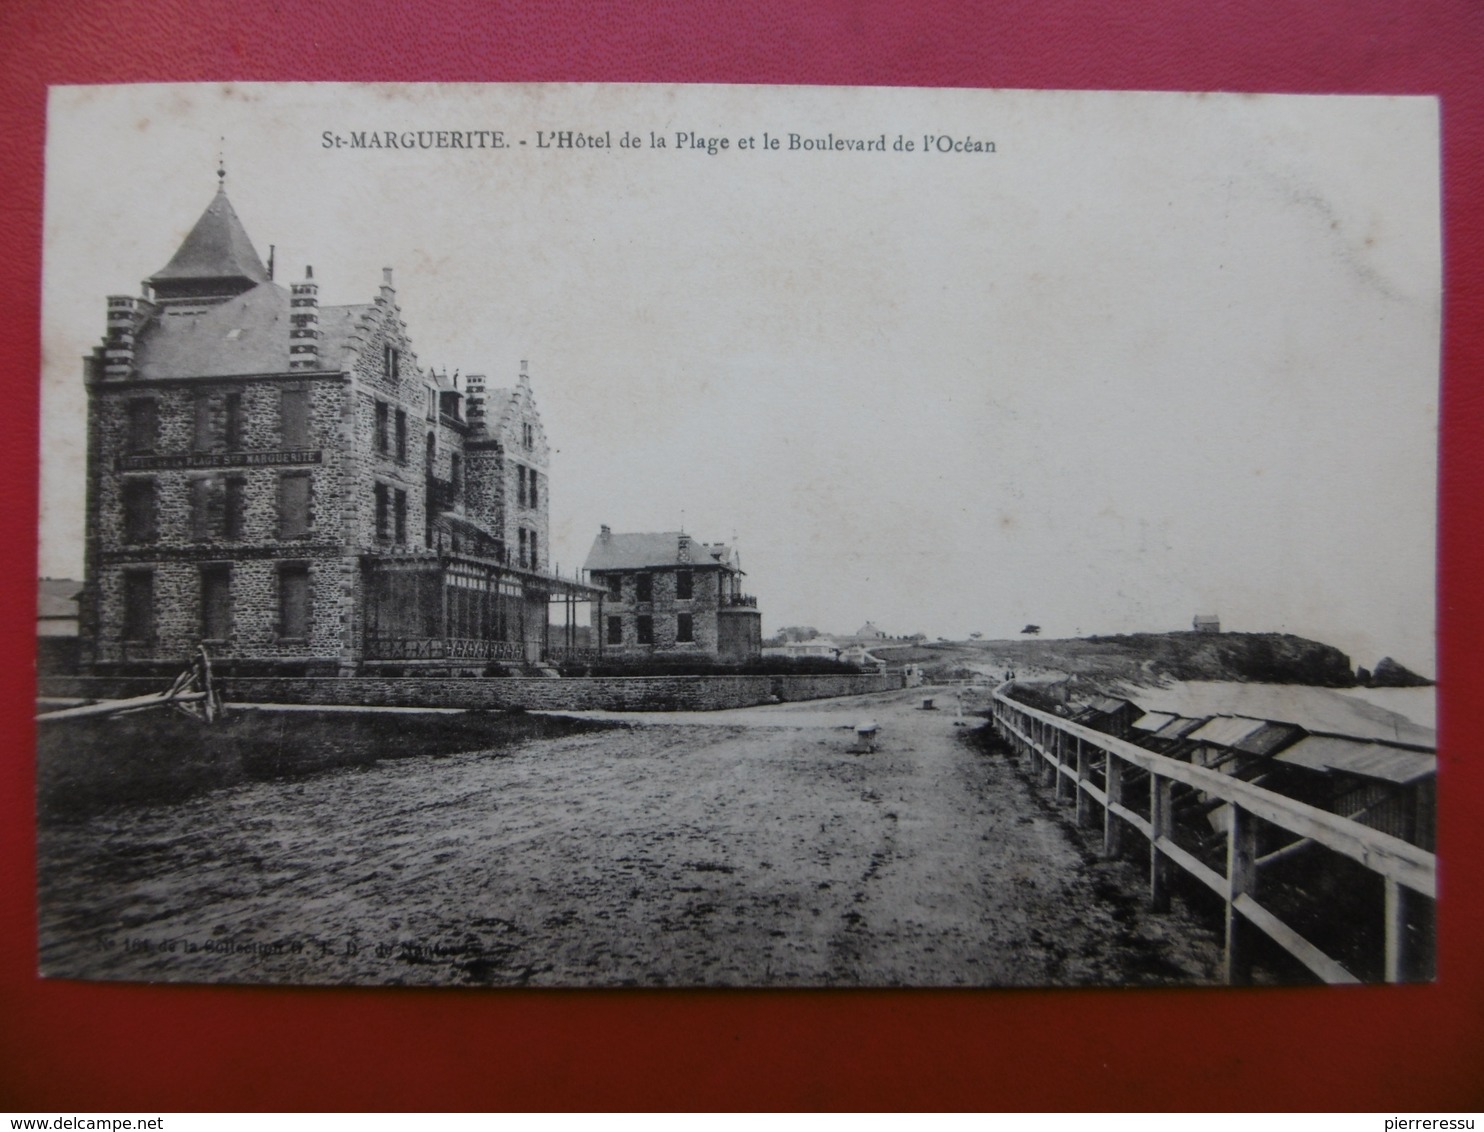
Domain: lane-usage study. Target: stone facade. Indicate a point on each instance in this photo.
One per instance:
(274, 477)
(667, 594)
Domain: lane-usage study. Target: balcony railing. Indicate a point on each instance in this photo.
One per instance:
(443, 494)
(739, 601)
(442, 648)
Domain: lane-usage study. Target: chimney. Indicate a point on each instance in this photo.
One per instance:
(118, 346)
(606, 533)
(387, 290)
(304, 323)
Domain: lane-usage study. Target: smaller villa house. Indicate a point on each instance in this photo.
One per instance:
(667, 594)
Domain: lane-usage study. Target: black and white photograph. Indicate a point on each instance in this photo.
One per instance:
(721, 536)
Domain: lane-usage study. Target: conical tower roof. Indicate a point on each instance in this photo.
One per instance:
(215, 260)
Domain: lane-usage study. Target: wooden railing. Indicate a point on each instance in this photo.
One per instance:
(1096, 769)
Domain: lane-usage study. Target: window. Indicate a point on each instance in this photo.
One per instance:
(383, 505)
(293, 505)
(683, 628)
(293, 419)
(683, 585)
(143, 425)
(202, 438)
(234, 422)
(401, 436)
(432, 452)
(139, 605)
(528, 434)
(201, 509)
(216, 602)
(615, 630)
(234, 520)
(139, 510)
(534, 501)
(615, 586)
(399, 515)
(523, 537)
(520, 475)
(644, 587)
(646, 630)
(382, 444)
(293, 602)
(391, 358)
(535, 558)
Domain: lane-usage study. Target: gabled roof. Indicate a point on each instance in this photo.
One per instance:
(638, 551)
(216, 253)
(247, 334)
(1366, 759)
(1178, 728)
(1227, 730)
(1152, 721)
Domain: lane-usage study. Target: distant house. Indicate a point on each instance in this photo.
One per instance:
(858, 654)
(665, 593)
(1206, 623)
(869, 632)
(814, 647)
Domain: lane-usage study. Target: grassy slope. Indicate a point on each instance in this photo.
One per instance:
(1276, 658)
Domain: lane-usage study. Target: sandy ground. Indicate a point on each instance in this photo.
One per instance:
(735, 848)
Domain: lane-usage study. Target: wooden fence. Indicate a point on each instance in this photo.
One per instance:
(1100, 771)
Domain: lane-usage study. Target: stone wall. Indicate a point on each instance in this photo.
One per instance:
(611, 693)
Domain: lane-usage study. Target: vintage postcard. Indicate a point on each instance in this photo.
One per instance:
(737, 536)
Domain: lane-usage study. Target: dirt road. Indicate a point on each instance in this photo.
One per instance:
(737, 848)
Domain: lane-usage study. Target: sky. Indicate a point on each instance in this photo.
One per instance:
(1154, 355)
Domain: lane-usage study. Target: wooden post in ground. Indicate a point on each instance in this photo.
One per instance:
(1161, 823)
(1241, 880)
(1084, 800)
(1112, 825)
(1059, 745)
(1396, 932)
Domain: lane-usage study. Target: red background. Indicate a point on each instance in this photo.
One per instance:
(76, 1046)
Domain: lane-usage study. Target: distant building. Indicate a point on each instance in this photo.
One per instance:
(814, 647)
(1206, 623)
(869, 632)
(665, 593)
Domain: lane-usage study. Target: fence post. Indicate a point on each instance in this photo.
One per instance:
(1112, 826)
(1060, 746)
(1396, 932)
(1241, 879)
(1084, 800)
(1161, 824)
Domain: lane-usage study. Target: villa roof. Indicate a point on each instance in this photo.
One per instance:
(638, 551)
(246, 334)
(216, 250)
